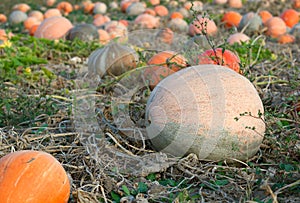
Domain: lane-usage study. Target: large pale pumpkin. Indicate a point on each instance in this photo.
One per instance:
(32, 177)
(200, 110)
(112, 59)
(55, 27)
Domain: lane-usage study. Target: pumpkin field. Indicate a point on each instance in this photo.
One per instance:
(137, 101)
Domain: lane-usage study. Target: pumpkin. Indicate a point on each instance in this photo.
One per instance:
(265, 16)
(64, 7)
(116, 30)
(220, 57)
(178, 25)
(168, 59)
(33, 177)
(154, 2)
(202, 24)
(176, 14)
(84, 32)
(124, 22)
(125, 3)
(17, 17)
(113, 59)
(37, 14)
(235, 3)
(195, 5)
(251, 22)
(88, 7)
(100, 7)
(290, 17)
(21, 7)
(52, 12)
(165, 36)
(104, 37)
(220, 2)
(231, 19)
(150, 11)
(146, 21)
(296, 4)
(153, 75)
(135, 9)
(3, 18)
(275, 27)
(286, 39)
(30, 21)
(100, 20)
(55, 27)
(33, 29)
(168, 62)
(161, 10)
(50, 2)
(198, 110)
(237, 38)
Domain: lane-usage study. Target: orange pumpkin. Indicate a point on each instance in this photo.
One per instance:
(231, 19)
(100, 19)
(147, 21)
(150, 11)
(202, 24)
(52, 12)
(265, 16)
(30, 21)
(153, 75)
(33, 29)
(104, 37)
(154, 2)
(275, 27)
(290, 17)
(296, 4)
(55, 27)
(88, 7)
(218, 57)
(235, 3)
(237, 38)
(286, 39)
(37, 14)
(50, 2)
(161, 10)
(176, 14)
(65, 7)
(33, 177)
(169, 59)
(3, 18)
(21, 7)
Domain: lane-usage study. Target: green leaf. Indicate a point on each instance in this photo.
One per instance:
(116, 197)
(126, 190)
(151, 177)
(221, 182)
(142, 187)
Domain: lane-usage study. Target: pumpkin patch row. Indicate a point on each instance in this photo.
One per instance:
(283, 28)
